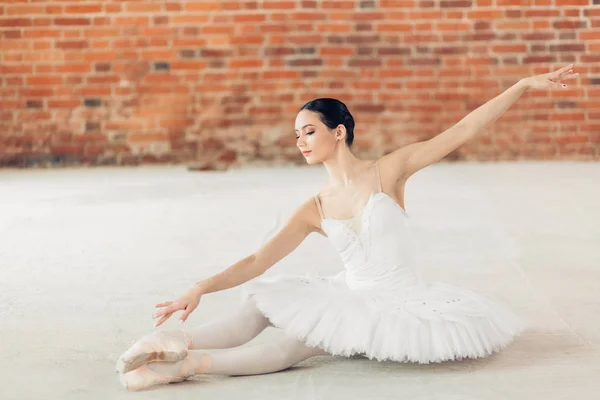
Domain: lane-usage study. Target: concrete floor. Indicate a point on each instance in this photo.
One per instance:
(86, 253)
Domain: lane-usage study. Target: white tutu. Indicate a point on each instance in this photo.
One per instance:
(438, 323)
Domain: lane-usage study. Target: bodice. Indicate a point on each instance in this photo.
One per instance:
(378, 255)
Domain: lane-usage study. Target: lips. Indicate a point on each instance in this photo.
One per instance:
(306, 152)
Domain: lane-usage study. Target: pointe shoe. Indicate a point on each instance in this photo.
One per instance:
(143, 378)
(156, 346)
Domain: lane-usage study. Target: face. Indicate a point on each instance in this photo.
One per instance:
(314, 137)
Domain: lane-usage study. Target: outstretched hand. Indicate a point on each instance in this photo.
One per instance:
(552, 80)
(186, 303)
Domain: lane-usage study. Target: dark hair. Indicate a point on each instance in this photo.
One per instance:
(332, 112)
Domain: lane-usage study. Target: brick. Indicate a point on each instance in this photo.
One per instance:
(12, 34)
(92, 102)
(103, 79)
(44, 80)
(91, 126)
(305, 62)
(455, 3)
(279, 5)
(242, 18)
(72, 21)
(83, 9)
(143, 7)
(573, 24)
(364, 63)
(190, 19)
(247, 39)
(63, 103)
(161, 66)
(34, 104)
(15, 69)
(561, 3)
(25, 10)
(202, 6)
(132, 21)
(14, 22)
(72, 44)
(397, 27)
(336, 51)
(101, 33)
(188, 65)
(246, 63)
(54, 9)
(103, 67)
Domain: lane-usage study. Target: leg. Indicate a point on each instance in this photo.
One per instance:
(265, 358)
(172, 345)
(230, 331)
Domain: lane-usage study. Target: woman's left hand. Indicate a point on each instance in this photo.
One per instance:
(186, 303)
(551, 80)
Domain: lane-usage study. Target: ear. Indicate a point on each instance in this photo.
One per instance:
(340, 132)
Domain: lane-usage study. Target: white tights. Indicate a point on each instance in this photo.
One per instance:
(281, 353)
(230, 331)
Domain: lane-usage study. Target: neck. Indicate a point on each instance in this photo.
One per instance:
(342, 167)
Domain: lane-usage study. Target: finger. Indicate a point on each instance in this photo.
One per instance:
(567, 74)
(166, 303)
(163, 319)
(185, 314)
(558, 74)
(565, 69)
(167, 310)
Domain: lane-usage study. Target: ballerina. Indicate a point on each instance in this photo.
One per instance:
(378, 306)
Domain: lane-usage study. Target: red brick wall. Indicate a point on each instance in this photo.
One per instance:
(123, 82)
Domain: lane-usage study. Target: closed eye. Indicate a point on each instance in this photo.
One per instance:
(308, 133)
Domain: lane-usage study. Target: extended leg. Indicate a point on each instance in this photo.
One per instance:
(278, 355)
(264, 358)
(172, 345)
(231, 331)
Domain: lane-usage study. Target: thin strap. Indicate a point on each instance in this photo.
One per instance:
(378, 177)
(319, 207)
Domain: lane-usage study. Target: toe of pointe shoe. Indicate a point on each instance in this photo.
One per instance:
(120, 366)
(123, 366)
(123, 381)
(157, 346)
(143, 378)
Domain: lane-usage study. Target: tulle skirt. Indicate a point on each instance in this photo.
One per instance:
(424, 324)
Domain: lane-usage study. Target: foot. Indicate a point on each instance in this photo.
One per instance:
(169, 346)
(162, 373)
(143, 378)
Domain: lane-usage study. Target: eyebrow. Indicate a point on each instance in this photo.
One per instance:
(296, 130)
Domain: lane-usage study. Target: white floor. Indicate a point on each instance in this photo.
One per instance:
(86, 253)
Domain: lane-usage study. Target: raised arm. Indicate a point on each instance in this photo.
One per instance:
(298, 226)
(411, 158)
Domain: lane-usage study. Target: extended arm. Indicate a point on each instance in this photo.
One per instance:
(413, 157)
(297, 228)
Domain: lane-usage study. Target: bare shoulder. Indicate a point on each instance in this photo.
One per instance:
(393, 179)
(307, 216)
(391, 166)
(298, 226)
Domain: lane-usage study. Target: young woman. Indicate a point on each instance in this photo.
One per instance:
(378, 306)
